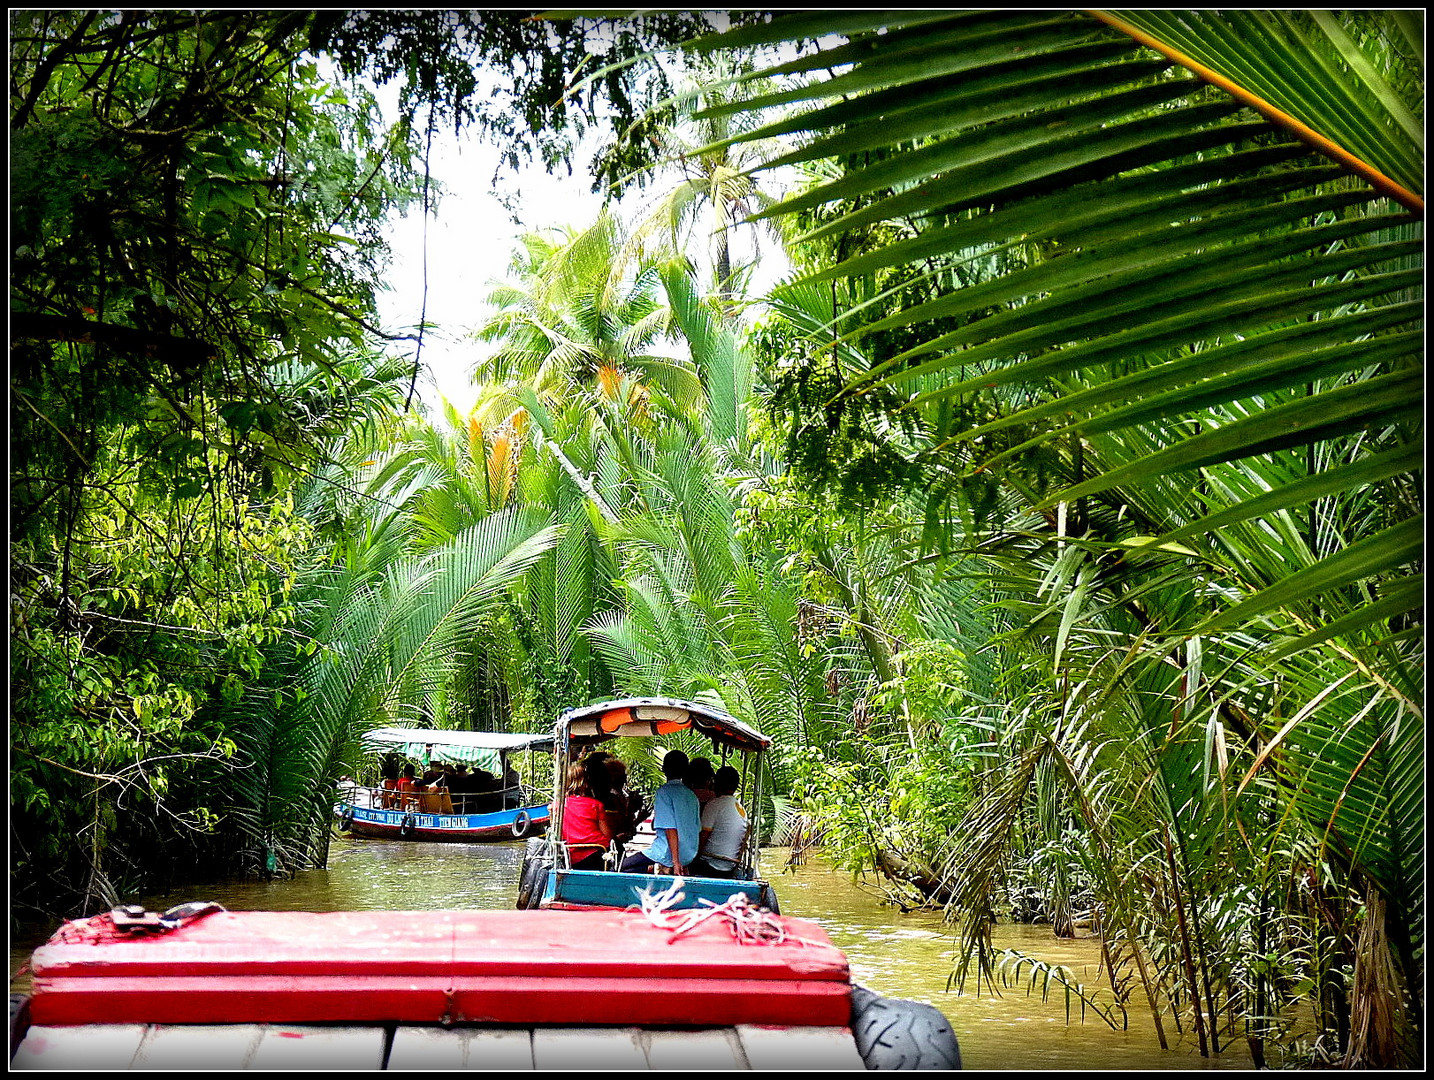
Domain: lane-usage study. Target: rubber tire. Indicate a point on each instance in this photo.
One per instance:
(767, 898)
(530, 888)
(537, 860)
(894, 1033)
(522, 824)
(406, 827)
(346, 819)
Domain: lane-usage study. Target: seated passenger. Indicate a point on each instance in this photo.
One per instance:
(388, 797)
(699, 779)
(724, 827)
(676, 822)
(586, 829)
(458, 786)
(622, 805)
(407, 789)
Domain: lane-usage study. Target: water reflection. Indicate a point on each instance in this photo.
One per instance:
(902, 955)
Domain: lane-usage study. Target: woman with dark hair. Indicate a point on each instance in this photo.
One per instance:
(622, 805)
(699, 779)
(586, 828)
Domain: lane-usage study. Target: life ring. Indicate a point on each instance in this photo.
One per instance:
(894, 1033)
(406, 828)
(521, 824)
(346, 819)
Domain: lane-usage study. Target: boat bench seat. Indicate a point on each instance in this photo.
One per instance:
(435, 802)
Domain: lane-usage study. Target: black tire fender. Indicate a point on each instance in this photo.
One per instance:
(894, 1033)
(767, 898)
(530, 893)
(522, 822)
(537, 858)
(406, 827)
(346, 819)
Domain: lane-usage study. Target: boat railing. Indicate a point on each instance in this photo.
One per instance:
(437, 800)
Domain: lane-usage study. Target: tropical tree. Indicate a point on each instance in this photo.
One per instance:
(713, 193)
(1199, 250)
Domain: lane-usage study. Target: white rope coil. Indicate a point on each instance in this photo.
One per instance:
(749, 925)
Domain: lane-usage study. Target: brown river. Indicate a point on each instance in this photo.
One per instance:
(901, 955)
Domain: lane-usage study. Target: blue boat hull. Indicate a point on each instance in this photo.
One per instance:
(608, 889)
(511, 824)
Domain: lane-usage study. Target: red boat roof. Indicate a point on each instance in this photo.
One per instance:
(486, 967)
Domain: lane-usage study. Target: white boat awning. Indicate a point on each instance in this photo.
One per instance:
(481, 748)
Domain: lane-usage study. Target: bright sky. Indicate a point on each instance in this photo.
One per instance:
(470, 240)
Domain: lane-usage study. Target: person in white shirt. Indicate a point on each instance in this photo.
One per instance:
(724, 827)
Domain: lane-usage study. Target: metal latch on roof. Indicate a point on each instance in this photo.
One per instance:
(133, 917)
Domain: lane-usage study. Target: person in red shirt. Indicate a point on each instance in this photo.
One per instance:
(586, 828)
(408, 789)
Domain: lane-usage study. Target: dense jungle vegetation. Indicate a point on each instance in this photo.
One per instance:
(1061, 516)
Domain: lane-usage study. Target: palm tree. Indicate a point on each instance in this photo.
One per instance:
(578, 309)
(388, 612)
(716, 185)
(1210, 229)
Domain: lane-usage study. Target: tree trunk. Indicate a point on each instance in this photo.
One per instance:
(1377, 1028)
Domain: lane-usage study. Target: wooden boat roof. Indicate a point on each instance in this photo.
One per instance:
(648, 716)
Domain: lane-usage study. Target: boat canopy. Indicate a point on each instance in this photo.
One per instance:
(481, 748)
(605, 720)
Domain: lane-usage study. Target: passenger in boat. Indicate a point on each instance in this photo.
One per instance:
(407, 788)
(724, 827)
(469, 786)
(388, 785)
(623, 806)
(677, 820)
(699, 779)
(586, 829)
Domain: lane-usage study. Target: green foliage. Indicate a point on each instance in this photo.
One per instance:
(197, 246)
(877, 807)
(1155, 368)
(118, 747)
(565, 75)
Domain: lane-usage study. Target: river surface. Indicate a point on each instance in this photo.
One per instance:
(900, 955)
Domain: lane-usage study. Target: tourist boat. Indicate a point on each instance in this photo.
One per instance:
(547, 879)
(511, 807)
(199, 988)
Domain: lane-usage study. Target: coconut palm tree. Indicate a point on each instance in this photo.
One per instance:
(1211, 232)
(387, 615)
(716, 191)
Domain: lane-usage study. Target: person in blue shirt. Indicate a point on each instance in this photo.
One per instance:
(677, 820)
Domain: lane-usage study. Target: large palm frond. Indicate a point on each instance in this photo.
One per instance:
(1179, 255)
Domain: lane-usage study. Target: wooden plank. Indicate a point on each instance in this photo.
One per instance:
(319, 1048)
(86, 1047)
(486, 1049)
(712, 1050)
(810, 1049)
